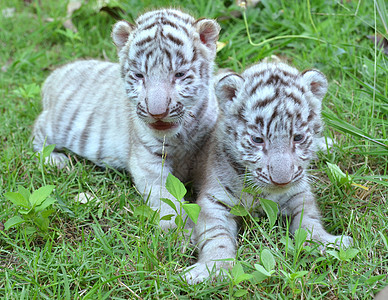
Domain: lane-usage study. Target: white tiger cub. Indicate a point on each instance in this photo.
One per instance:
(268, 131)
(148, 114)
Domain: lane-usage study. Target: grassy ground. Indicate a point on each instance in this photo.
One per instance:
(107, 249)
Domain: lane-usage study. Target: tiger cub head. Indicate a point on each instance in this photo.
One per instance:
(271, 122)
(166, 61)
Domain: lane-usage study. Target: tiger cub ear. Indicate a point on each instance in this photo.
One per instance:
(208, 32)
(316, 82)
(227, 87)
(120, 33)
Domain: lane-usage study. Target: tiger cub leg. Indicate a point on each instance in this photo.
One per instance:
(149, 175)
(42, 137)
(304, 212)
(215, 235)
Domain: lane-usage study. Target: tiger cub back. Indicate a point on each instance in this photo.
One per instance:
(148, 114)
(269, 129)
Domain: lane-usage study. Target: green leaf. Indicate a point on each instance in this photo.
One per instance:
(300, 237)
(262, 270)
(339, 176)
(344, 255)
(46, 203)
(336, 123)
(298, 274)
(242, 278)
(239, 274)
(385, 239)
(30, 230)
(348, 254)
(17, 199)
(25, 211)
(271, 209)
(288, 242)
(47, 150)
(285, 274)
(237, 270)
(41, 194)
(239, 210)
(175, 187)
(240, 293)
(100, 211)
(167, 217)
(42, 223)
(13, 222)
(46, 213)
(267, 260)
(383, 13)
(192, 211)
(257, 277)
(169, 203)
(24, 192)
(374, 279)
(143, 211)
(333, 253)
(178, 221)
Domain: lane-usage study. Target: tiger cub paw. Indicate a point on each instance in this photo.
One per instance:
(335, 241)
(343, 241)
(57, 159)
(202, 271)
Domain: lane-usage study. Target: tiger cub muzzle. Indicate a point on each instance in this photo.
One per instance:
(280, 169)
(281, 172)
(159, 110)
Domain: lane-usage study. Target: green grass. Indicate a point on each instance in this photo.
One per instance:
(106, 249)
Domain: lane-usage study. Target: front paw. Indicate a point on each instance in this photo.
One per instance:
(196, 273)
(343, 241)
(202, 271)
(336, 241)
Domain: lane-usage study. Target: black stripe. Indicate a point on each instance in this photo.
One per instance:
(169, 57)
(294, 98)
(195, 55)
(285, 204)
(215, 227)
(144, 41)
(272, 118)
(180, 58)
(165, 22)
(66, 132)
(229, 190)
(187, 19)
(101, 141)
(212, 238)
(216, 201)
(66, 101)
(149, 26)
(238, 168)
(174, 39)
(311, 116)
(264, 102)
(85, 133)
(259, 121)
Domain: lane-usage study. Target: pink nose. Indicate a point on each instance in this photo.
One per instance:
(280, 183)
(159, 116)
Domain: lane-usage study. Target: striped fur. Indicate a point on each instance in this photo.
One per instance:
(148, 114)
(268, 132)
